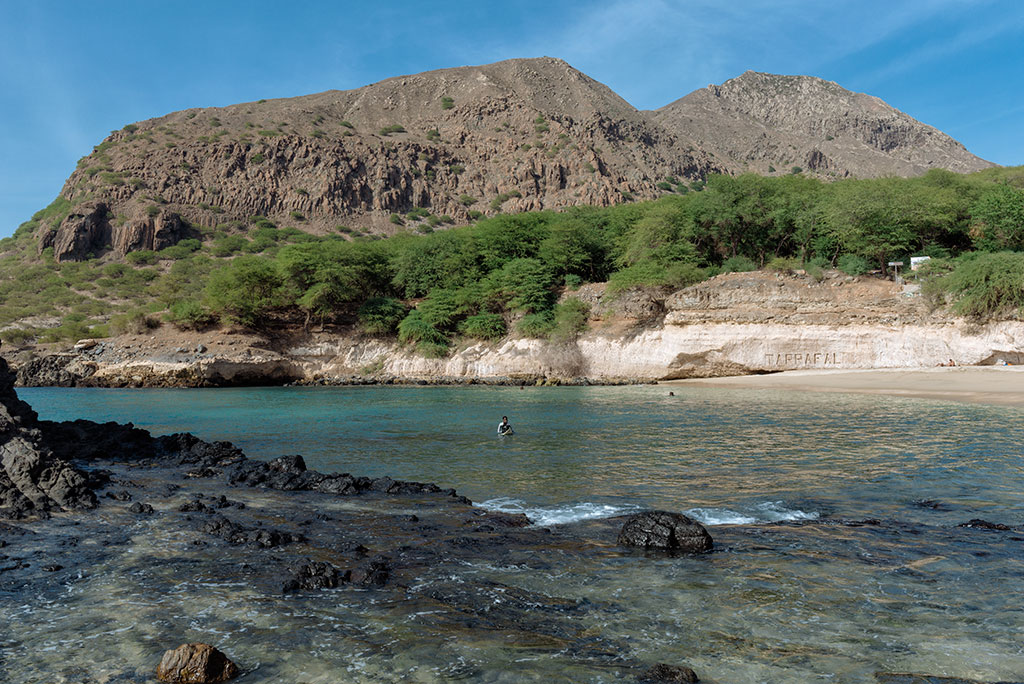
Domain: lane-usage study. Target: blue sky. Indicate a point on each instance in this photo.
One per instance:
(71, 71)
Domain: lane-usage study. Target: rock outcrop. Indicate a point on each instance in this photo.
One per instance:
(518, 135)
(33, 480)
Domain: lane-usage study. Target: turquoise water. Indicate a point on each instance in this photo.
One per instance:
(805, 600)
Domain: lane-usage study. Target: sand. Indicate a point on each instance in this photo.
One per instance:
(1003, 385)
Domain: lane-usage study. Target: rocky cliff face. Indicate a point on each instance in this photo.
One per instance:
(760, 122)
(514, 136)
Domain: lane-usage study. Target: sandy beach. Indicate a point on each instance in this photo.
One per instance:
(1002, 385)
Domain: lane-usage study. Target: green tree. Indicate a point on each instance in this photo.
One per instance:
(245, 291)
(998, 219)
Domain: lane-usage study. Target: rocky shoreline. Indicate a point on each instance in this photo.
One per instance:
(79, 497)
(71, 491)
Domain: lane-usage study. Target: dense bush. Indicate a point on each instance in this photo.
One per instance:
(381, 315)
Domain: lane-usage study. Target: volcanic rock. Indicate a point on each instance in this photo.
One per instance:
(195, 664)
(668, 674)
(665, 530)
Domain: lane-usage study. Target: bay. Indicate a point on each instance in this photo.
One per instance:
(838, 551)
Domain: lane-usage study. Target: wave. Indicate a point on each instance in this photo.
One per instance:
(766, 512)
(545, 516)
(559, 515)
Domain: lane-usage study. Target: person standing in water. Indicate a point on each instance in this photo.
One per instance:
(504, 428)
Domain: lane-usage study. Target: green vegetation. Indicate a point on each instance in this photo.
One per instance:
(393, 128)
(447, 102)
(508, 272)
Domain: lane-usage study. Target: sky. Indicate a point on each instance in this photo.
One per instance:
(71, 71)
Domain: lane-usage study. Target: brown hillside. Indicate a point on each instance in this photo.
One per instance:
(759, 121)
(514, 136)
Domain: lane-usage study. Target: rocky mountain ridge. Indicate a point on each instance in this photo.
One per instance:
(455, 144)
(759, 120)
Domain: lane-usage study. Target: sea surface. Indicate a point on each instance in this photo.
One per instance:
(836, 519)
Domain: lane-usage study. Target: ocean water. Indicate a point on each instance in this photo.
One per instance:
(793, 593)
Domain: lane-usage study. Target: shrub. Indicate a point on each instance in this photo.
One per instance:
(854, 265)
(536, 324)
(257, 158)
(738, 264)
(429, 340)
(814, 271)
(346, 124)
(229, 245)
(397, 220)
(570, 319)
(381, 315)
(188, 314)
(484, 326)
(393, 128)
(783, 264)
(447, 102)
(132, 323)
(987, 285)
(297, 215)
(433, 135)
(467, 200)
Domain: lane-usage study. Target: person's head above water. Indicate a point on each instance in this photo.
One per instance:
(504, 419)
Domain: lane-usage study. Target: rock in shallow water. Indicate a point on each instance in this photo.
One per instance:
(665, 530)
(195, 664)
(668, 674)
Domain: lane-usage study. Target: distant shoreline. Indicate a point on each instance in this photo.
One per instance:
(995, 385)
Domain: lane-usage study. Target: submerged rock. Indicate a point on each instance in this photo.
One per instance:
(911, 678)
(195, 664)
(665, 530)
(311, 575)
(980, 524)
(668, 674)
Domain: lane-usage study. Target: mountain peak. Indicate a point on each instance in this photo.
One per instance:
(763, 122)
(455, 144)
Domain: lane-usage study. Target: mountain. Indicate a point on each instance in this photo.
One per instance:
(767, 123)
(454, 144)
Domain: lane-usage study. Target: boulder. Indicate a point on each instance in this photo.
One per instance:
(665, 530)
(195, 664)
(309, 575)
(668, 674)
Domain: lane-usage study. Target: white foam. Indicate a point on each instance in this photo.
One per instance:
(559, 515)
(765, 512)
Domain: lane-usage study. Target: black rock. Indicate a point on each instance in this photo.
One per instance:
(665, 530)
(310, 575)
(985, 525)
(374, 574)
(911, 678)
(668, 674)
(140, 508)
